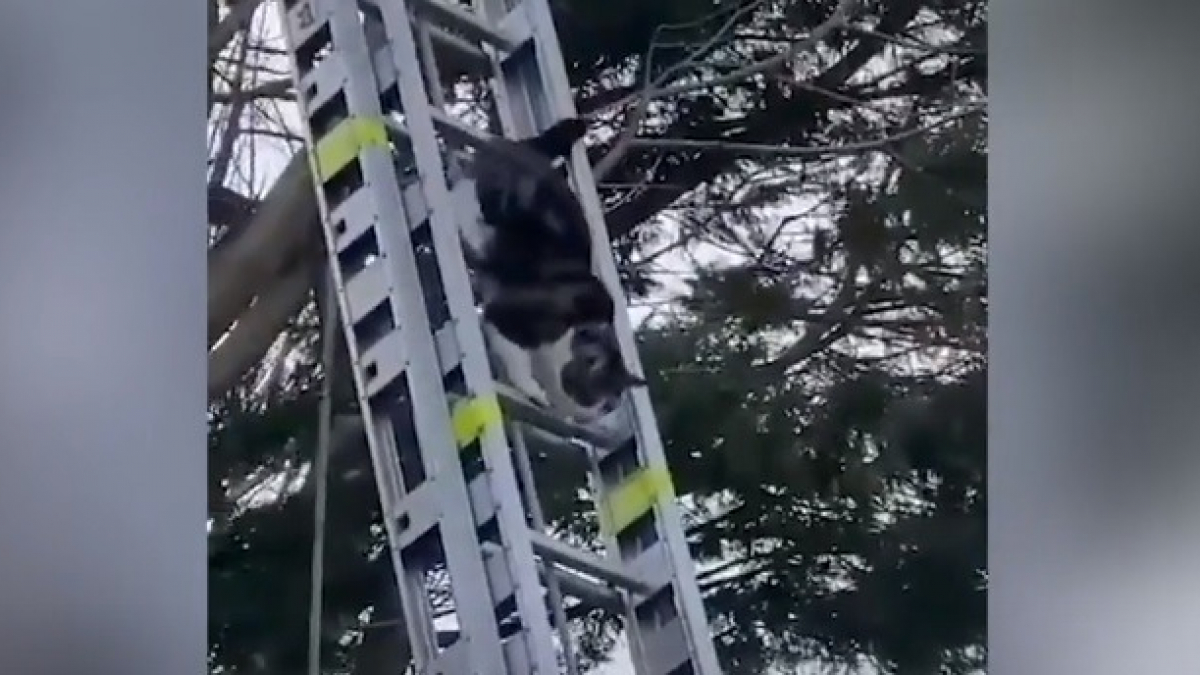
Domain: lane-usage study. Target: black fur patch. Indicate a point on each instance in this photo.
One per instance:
(533, 314)
(541, 233)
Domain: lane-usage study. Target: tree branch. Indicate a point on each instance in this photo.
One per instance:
(286, 226)
(257, 329)
(787, 151)
(655, 90)
(239, 15)
(765, 126)
(280, 89)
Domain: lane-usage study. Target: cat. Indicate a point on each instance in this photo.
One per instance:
(548, 318)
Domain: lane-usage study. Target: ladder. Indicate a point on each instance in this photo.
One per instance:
(449, 444)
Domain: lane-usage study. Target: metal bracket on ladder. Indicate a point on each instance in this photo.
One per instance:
(448, 442)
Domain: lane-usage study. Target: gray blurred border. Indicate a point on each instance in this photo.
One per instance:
(1095, 514)
(102, 427)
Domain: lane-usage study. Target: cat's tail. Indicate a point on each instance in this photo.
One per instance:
(558, 140)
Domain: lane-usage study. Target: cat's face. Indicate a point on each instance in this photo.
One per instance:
(596, 376)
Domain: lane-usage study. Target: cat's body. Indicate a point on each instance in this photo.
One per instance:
(549, 319)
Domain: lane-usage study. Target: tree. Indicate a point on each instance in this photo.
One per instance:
(820, 376)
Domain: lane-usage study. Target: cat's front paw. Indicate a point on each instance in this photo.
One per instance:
(534, 392)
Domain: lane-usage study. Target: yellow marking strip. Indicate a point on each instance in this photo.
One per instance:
(345, 142)
(473, 417)
(634, 497)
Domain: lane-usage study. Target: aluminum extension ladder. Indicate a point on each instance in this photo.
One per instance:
(448, 443)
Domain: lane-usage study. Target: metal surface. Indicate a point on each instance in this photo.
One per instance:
(453, 501)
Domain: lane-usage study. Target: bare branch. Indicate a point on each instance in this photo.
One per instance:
(818, 336)
(233, 124)
(238, 17)
(276, 89)
(788, 151)
(652, 89)
(913, 43)
(837, 20)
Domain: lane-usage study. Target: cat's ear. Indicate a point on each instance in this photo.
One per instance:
(558, 140)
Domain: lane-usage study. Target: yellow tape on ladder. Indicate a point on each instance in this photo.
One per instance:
(634, 497)
(473, 417)
(345, 142)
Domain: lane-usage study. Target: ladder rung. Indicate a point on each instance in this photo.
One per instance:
(383, 363)
(556, 551)
(445, 638)
(541, 443)
(417, 513)
(459, 54)
(515, 657)
(477, 59)
(452, 661)
(399, 133)
(366, 289)
(457, 18)
(587, 591)
(522, 410)
(456, 132)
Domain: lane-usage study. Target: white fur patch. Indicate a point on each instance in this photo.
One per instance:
(548, 363)
(475, 234)
(517, 364)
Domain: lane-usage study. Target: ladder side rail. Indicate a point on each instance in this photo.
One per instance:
(543, 102)
(303, 19)
(465, 319)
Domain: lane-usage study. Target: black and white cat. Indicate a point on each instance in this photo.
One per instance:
(547, 316)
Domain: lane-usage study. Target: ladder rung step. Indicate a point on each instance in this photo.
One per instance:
(483, 503)
(415, 209)
(593, 594)
(589, 592)
(353, 217)
(466, 21)
(666, 646)
(475, 58)
(384, 362)
(416, 514)
(456, 132)
(653, 565)
(556, 551)
(453, 661)
(445, 638)
(445, 344)
(385, 70)
(516, 656)
(460, 134)
(320, 84)
(495, 565)
(523, 410)
(396, 128)
(366, 289)
(542, 443)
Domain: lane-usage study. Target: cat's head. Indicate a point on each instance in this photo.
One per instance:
(589, 302)
(558, 140)
(595, 376)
